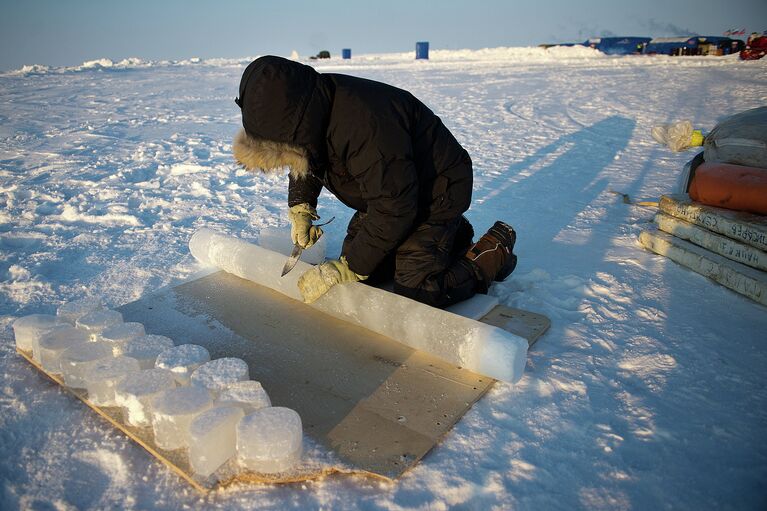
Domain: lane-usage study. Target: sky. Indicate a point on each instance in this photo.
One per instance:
(66, 33)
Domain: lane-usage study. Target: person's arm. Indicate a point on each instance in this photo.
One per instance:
(302, 209)
(390, 187)
(303, 190)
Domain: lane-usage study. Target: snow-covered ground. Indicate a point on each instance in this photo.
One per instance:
(648, 392)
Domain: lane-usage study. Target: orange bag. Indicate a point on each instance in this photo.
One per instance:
(730, 186)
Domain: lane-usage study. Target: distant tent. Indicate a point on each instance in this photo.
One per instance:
(717, 45)
(694, 45)
(546, 46)
(618, 45)
(672, 46)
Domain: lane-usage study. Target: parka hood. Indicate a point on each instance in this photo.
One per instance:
(269, 157)
(285, 107)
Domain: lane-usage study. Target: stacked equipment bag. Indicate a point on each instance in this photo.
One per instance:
(731, 172)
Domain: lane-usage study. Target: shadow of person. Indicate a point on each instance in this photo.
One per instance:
(545, 192)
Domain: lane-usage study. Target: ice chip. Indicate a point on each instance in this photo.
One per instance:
(217, 374)
(28, 329)
(248, 395)
(102, 377)
(72, 311)
(172, 412)
(54, 343)
(213, 438)
(145, 349)
(77, 360)
(137, 390)
(99, 320)
(122, 332)
(182, 360)
(270, 440)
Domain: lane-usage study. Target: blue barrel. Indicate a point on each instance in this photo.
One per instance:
(422, 50)
(346, 53)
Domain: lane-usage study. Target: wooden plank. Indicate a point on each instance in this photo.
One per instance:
(722, 245)
(178, 461)
(529, 325)
(370, 406)
(745, 227)
(735, 276)
(320, 366)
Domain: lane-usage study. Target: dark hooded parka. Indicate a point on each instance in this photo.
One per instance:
(380, 151)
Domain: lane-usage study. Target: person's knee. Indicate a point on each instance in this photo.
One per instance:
(434, 298)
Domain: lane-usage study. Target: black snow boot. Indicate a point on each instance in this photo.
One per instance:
(493, 255)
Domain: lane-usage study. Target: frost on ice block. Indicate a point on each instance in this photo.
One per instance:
(28, 329)
(102, 377)
(122, 332)
(72, 311)
(137, 390)
(461, 341)
(270, 440)
(54, 343)
(145, 349)
(77, 360)
(248, 395)
(217, 374)
(213, 439)
(99, 320)
(173, 411)
(182, 360)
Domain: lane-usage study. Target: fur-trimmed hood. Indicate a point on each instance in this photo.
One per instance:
(285, 110)
(268, 156)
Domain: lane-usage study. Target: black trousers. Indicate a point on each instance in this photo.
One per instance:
(429, 265)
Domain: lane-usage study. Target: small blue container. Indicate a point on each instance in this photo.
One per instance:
(346, 53)
(422, 50)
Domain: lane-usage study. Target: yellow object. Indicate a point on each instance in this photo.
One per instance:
(696, 139)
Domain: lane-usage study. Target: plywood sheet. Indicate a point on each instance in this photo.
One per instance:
(369, 405)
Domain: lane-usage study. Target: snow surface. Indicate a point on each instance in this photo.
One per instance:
(648, 391)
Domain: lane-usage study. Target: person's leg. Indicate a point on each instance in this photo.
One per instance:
(439, 266)
(492, 256)
(431, 267)
(385, 271)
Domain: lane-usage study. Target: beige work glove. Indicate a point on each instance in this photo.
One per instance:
(302, 232)
(318, 281)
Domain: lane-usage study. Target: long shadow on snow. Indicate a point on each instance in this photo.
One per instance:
(542, 204)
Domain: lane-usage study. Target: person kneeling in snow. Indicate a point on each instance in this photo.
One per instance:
(385, 154)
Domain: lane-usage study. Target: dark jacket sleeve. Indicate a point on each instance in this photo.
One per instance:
(384, 169)
(304, 190)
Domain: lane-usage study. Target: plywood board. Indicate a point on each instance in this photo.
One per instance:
(369, 405)
(529, 325)
(735, 276)
(314, 466)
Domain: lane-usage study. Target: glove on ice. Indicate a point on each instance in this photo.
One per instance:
(318, 281)
(302, 232)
